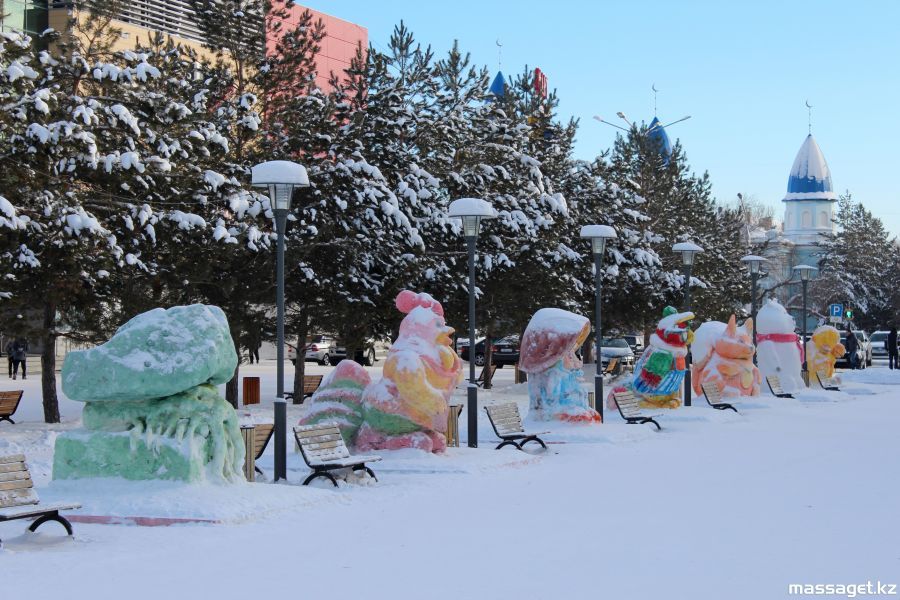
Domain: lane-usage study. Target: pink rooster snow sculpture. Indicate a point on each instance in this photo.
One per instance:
(408, 406)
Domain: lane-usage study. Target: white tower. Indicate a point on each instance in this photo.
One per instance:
(809, 202)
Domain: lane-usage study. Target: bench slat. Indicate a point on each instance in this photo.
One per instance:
(11, 498)
(14, 458)
(19, 484)
(13, 467)
(28, 510)
(14, 476)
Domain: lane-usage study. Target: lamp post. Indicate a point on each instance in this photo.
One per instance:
(804, 271)
(281, 178)
(471, 211)
(688, 251)
(598, 234)
(753, 262)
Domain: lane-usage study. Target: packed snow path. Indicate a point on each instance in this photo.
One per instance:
(715, 506)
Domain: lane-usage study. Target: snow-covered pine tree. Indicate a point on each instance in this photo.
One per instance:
(853, 265)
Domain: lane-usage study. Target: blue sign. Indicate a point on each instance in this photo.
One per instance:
(836, 310)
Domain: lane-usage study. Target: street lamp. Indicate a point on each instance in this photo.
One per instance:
(804, 271)
(471, 211)
(688, 251)
(281, 178)
(753, 262)
(598, 234)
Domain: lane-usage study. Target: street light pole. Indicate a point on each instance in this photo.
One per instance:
(598, 235)
(472, 390)
(805, 271)
(688, 251)
(471, 211)
(281, 178)
(280, 403)
(687, 359)
(754, 263)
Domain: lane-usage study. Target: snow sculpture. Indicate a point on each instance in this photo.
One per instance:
(408, 406)
(152, 410)
(547, 354)
(823, 350)
(659, 372)
(723, 354)
(778, 349)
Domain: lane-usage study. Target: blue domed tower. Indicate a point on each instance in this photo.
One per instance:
(809, 202)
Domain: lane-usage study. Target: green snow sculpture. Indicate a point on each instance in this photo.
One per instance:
(152, 410)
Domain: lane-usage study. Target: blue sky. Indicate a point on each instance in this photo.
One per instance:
(742, 70)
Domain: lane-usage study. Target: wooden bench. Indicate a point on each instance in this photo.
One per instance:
(630, 409)
(18, 499)
(713, 394)
(311, 383)
(261, 436)
(774, 384)
(324, 450)
(507, 424)
(482, 378)
(827, 383)
(9, 403)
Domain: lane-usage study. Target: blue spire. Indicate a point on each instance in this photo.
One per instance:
(810, 177)
(498, 87)
(658, 132)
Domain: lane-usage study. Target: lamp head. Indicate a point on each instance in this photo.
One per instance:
(281, 178)
(753, 262)
(471, 211)
(598, 234)
(688, 251)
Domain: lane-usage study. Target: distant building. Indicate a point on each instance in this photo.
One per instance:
(177, 19)
(808, 216)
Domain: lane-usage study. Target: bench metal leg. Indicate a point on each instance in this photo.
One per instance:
(652, 420)
(367, 470)
(7, 418)
(509, 443)
(532, 438)
(54, 516)
(325, 474)
(725, 407)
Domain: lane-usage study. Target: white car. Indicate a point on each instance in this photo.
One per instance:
(878, 344)
(616, 348)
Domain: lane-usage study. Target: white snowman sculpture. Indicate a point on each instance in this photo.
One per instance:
(778, 349)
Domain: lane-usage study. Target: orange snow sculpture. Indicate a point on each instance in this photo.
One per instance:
(725, 356)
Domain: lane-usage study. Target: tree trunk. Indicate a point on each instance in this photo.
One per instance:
(48, 365)
(231, 388)
(300, 365)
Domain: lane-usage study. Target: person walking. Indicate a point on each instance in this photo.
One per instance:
(20, 355)
(891, 344)
(9, 356)
(852, 346)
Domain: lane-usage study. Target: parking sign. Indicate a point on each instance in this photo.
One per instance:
(836, 310)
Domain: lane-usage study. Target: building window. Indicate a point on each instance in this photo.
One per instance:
(806, 219)
(824, 221)
(29, 16)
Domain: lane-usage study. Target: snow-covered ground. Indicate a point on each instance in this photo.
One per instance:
(714, 506)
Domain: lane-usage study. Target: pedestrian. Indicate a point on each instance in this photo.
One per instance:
(20, 354)
(254, 352)
(9, 356)
(891, 344)
(852, 347)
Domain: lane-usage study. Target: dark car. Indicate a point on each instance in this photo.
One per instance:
(504, 351)
(861, 358)
(364, 355)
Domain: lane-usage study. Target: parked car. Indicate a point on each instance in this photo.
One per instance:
(504, 351)
(866, 344)
(319, 349)
(636, 342)
(844, 361)
(616, 348)
(878, 343)
(364, 355)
